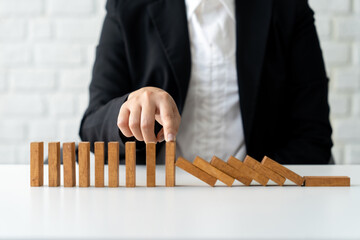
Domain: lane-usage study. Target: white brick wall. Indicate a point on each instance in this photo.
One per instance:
(47, 52)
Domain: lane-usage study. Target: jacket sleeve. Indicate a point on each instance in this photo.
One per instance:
(310, 141)
(110, 84)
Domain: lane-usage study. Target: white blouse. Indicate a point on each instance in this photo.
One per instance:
(211, 121)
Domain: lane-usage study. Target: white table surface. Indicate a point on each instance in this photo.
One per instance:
(190, 210)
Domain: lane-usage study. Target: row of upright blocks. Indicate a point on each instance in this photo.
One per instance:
(69, 170)
(244, 171)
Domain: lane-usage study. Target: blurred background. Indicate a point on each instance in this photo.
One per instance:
(47, 49)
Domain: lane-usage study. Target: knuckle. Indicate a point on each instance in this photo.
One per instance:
(164, 96)
(146, 124)
(121, 123)
(133, 124)
(147, 94)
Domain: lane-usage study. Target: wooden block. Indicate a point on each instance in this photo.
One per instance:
(239, 165)
(195, 171)
(130, 162)
(326, 181)
(36, 164)
(54, 164)
(150, 164)
(267, 172)
(170, 153)
(283, 171)
(84, 164)
(213, 171)
(99, 164)
(69, 164)
(231, 171)
(113, 164)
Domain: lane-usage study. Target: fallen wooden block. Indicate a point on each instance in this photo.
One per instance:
(213, 171)
(327, 181)
(99, 163)
(195, 171)
(283, 171)
(36, 164)
(130, 162)
(113, 164)
(239, 165)
(267, 172)
(84, 164)
(231, 171)
(150, 164)
(69, 164)
(54, 164)
(170, 152)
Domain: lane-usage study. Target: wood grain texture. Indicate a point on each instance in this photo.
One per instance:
(213, 171)
(130, 162)
(69, 164)
(231, 171)
(267, 172)
(36, 164)
(170, 154)
(84, 164)
(99, 163)
(150, 164)
(327, 181)
(113, 164)
(239, 165)
(54, 164)
(283, 171)
(195, 171)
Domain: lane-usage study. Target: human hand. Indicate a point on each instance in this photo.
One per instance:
(138, 114)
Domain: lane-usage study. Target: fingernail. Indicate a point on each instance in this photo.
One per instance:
(170, 137)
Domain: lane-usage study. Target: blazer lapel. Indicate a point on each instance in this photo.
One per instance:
(169, 18)
(252, 24)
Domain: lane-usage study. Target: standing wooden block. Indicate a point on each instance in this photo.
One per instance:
(36, 164)
(150, 164)
(195, 171)
(170, 152)
(54, 164)
(267, 172)
(113, 164)
(99, 164)
(84, 164)
(69, 164)
(213, 171)
(231, 171)
(325, 181)
(130, 162)
(283, 171)
(236, 163)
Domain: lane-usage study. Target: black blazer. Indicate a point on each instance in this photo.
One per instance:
(281, 76)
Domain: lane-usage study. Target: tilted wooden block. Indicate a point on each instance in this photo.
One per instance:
(283, 171)
(170, 152)
(239, 165)
(54, 164)
(327, 181)
(213, 171)
(84, 164)
(99, 163)
(69, 164)
(231, 171)
(195, 171)
(130, 162)
(267, 172)
(113, 164)
(150, 164)
(36, 164)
